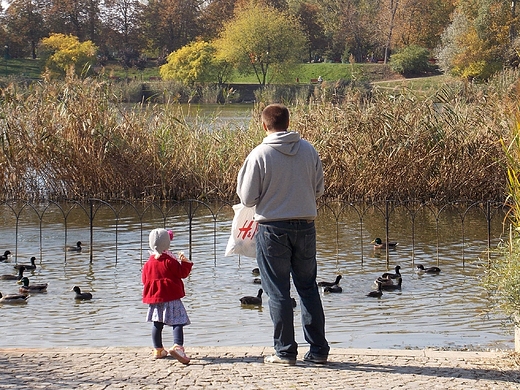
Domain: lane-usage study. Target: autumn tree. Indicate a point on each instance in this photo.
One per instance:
(65, 52)
(122, 16)
(262, 40)
(307, 13)
(170, 24)
(357, 34)
(477, 42)
(195, 62)
(213, 16)
(421, 22)
(25, 26)
(80, 18)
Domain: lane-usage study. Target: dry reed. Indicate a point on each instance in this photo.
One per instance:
(71, 140)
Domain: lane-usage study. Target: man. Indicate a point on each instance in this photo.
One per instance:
(282, 177)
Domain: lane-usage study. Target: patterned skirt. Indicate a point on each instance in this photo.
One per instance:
(169, 313)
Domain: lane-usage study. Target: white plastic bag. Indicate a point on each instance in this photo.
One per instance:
(243, 232)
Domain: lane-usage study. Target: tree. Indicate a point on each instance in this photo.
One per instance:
(357, 34)
(307, 13)
(263, 40)
(64, 52)
(421, 22)
(450, 47)
(477, 43)
(195, 62)
(214, 15)
(171, 24)
(388, 18)
(80, 18)
(122, 16)
(25, 26)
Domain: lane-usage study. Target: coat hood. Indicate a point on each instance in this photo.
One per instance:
(286, 142)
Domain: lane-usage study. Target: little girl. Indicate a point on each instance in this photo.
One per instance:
(163, 289)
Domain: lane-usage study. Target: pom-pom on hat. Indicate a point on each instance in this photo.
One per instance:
(159, 241)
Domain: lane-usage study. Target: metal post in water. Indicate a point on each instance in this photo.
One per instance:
(190, 223)
(387, 218)
(91, 218)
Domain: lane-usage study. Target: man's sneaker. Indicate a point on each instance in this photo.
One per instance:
(159, 353)
(279, 360)
(311, 358)
(178, 353)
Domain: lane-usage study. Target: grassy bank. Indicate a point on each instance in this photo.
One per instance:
(70, 139)
(303, 72)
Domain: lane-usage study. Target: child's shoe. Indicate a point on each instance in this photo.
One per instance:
(177, 351)
(159, 353)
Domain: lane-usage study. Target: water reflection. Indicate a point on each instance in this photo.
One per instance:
(445, 311)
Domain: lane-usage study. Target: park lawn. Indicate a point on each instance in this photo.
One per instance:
(23, 67)
(302, 73)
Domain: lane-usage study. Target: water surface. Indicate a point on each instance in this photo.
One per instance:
(439, 311)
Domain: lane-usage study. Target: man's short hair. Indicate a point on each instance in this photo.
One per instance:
(276, 117)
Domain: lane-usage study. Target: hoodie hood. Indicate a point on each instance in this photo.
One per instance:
(286, 142)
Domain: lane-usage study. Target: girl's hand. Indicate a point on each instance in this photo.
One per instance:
(184, 258)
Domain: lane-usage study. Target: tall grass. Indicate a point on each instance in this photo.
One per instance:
(71, 139)
(502, 276)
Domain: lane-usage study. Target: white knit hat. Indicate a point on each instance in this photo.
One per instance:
(159, 241)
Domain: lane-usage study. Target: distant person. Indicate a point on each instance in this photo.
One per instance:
(163, 289)
(320, 79)
(282, 177)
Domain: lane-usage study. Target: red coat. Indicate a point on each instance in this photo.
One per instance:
(162, 279)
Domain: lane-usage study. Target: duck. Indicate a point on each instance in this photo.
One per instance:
(31, 266)
(388, 275)
(393, 286)
(82, 296)
(384, 281)
(35, 288)
(5, 256)
(76, 248)
(429, 270)
(378, 293)
(330, 284)
(379, 244)
(333, 289)
(247, 300)
(14, 277)
(14, 298)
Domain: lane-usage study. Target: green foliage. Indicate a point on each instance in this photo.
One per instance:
(262, 40)
(411, 60)
(195, 62)
(65, 53)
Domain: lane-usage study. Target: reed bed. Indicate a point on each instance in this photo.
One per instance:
(73, 140)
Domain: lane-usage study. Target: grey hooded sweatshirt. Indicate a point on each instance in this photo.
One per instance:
(282, 177)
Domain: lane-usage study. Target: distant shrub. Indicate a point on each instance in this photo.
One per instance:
(411, 60)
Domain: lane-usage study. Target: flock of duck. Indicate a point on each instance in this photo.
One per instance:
(26, 287)
(388, 281)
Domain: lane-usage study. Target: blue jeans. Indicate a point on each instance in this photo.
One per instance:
(285, 249)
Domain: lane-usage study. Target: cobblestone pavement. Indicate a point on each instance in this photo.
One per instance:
(243, 368)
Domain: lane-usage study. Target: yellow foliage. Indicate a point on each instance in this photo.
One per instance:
(194, 62)
(65, 52)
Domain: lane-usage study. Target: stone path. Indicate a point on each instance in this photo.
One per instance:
(243, 368)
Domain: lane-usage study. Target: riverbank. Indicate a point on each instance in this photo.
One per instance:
(243, 368)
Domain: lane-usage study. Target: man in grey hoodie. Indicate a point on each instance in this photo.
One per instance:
(282, 177)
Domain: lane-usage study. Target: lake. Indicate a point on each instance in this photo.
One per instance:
(447, 311)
